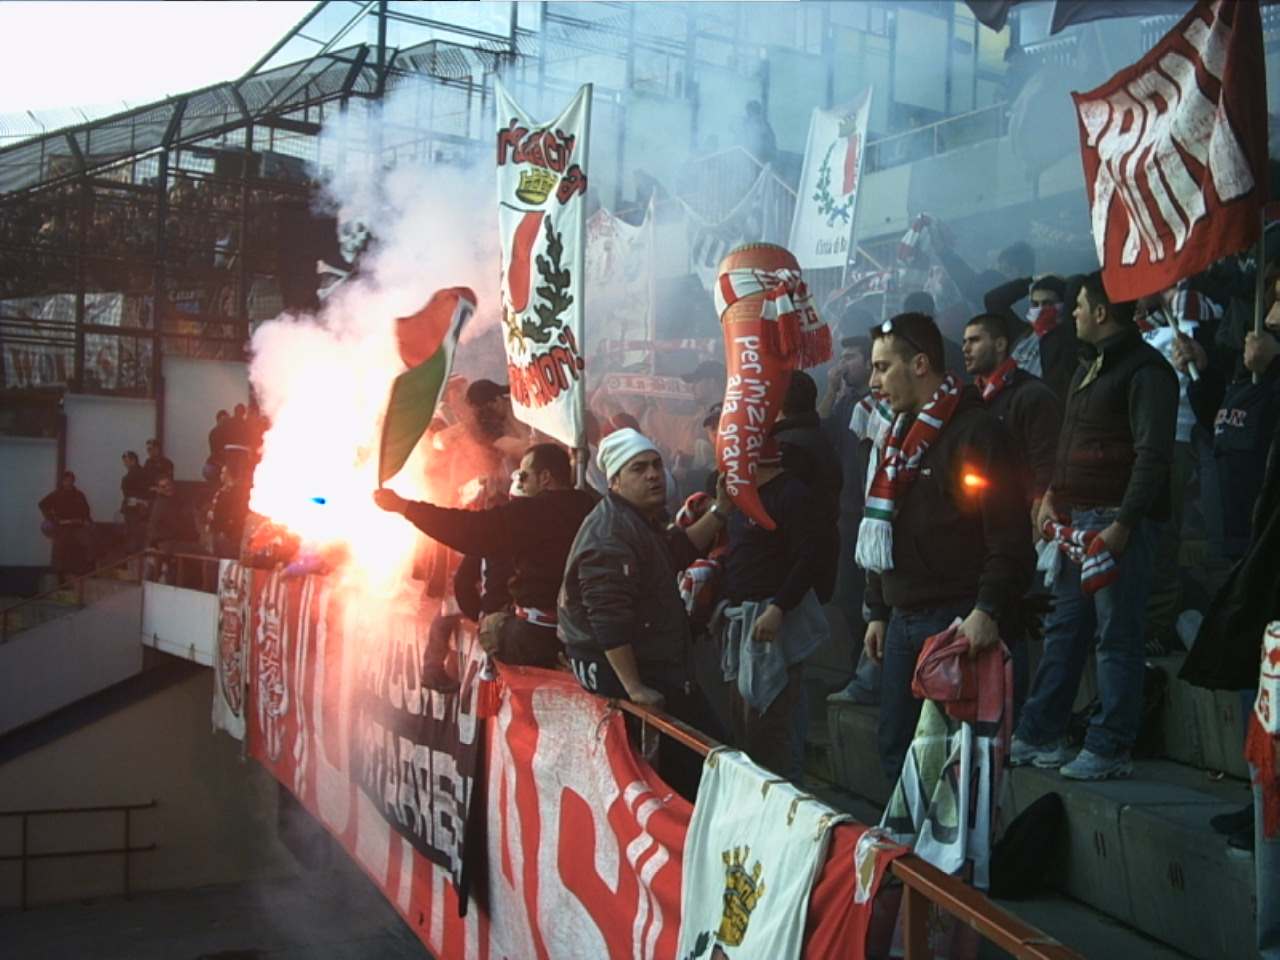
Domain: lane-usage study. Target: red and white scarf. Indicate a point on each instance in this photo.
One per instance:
(900, 457)
(1098, 567)
(999, 379)
(1044, 319)
(914, 245)
(1264, 728)
(799, 335)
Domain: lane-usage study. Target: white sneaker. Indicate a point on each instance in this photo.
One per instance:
(1047, 756)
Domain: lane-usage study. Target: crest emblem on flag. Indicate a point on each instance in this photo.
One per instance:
(1174, 150)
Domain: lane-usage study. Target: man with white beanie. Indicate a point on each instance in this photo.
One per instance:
(621, 618)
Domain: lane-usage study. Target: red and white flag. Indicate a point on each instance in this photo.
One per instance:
(1174, 150)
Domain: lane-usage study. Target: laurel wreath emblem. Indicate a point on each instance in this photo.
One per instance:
(827, 205)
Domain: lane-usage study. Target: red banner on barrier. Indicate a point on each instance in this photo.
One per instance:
(583, 845)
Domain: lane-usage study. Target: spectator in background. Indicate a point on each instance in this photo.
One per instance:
(157, 466)
(490, 404)
(757, 136)
(1111, 487)
(1044, 344)
(213, 466)
(237, 440)
(171, 529)
(135, 501)
(69, 525)
(227, 514)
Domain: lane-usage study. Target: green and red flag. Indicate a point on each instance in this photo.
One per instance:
(427, 340)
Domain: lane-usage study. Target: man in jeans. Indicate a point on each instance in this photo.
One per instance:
(1111, 486)
(945, 534)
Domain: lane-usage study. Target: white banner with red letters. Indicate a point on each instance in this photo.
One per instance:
(576, 848)
(1175, 149)
(827, 202)
(542, 193)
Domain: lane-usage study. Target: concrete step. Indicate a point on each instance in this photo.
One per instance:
(1202, 728)
(1140, 851)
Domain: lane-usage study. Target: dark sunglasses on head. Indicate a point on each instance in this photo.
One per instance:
(887, 328)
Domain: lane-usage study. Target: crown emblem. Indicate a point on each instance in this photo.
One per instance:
(742, 891)
(536, 185)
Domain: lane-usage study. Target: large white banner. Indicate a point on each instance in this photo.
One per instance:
(822, 229)
(620, 284)
(542, 193)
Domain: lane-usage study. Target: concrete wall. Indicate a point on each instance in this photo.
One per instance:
(215, 819)
(195, 390)
(29, 467)
(51, 665)
(99, 430)
(183, 623)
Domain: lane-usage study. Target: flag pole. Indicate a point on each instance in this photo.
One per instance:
(584, 448)
(1260, 281)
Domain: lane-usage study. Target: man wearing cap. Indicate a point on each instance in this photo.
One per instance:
(621, 619)
(946, 534)
(531, 532)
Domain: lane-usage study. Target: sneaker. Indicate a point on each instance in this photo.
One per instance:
(1046, 756)
(1229, 823)
(855, 693)
(1240, 843)
(1092, 766)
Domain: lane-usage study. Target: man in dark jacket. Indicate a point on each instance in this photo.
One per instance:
(621, 618)
(135, 500)
(66, 511)
(946, 534)
(808, 456)
(533, 532)
(1044, 344)
(1111, 485)
(1033, 416)
(171, 529)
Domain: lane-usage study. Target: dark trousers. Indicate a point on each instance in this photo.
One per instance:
(767, 736)
(677, 764)
(899, 709)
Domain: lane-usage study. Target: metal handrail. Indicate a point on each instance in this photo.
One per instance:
(77, 583)
(922, 882)
(25, 856)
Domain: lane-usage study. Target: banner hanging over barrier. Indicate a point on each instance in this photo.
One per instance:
(578, 847)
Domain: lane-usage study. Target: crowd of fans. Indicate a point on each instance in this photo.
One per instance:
(159, 517)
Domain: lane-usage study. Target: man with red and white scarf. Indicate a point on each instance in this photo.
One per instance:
(946, 532)
(1033, 416)
(1111, 490)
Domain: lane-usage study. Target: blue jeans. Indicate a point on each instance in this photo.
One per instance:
(1114, 618)
(899, 709)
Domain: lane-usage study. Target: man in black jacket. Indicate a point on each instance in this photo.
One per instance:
(621, 618)
(1033, 416)
(958, 543)
(533, 532)
(70, 526)
(1044, 344)
(135, 500)
(1111, 484)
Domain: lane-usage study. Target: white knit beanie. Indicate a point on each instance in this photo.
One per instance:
(619, 447)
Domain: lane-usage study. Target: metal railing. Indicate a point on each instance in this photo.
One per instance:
(25, 856)
(53, 604)
(988, 123)
(190, 571)
(923, 884)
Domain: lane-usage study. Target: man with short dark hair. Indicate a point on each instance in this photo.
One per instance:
(1033, 417)
(1044, 344)
(157, 465)
(70, 527)
(171, 528)
(217, 440)
(1111, 485)
(135, 501)
(532, 532)
(945, 535)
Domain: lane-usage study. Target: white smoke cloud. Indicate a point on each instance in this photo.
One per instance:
(323, 379)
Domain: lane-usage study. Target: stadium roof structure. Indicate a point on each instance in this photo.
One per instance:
(341, 49)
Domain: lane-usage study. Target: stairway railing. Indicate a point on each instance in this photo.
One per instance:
(16, 617)
(25, 856)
